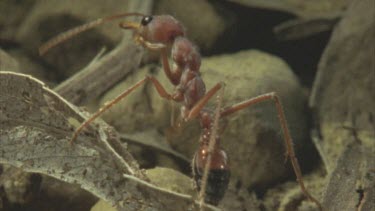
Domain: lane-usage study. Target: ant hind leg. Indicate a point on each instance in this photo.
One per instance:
(287, 138)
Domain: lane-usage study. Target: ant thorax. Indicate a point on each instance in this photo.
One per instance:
(185, 54)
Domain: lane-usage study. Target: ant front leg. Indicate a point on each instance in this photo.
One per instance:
(159, 88)
(173, 76)
(287, 138)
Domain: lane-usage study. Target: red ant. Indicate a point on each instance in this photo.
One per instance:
(164, 33)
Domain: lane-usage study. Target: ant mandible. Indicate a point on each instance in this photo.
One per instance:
(165, 34)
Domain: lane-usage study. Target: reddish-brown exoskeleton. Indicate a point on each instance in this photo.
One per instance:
(165, 34)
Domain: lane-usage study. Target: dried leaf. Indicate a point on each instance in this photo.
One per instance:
(36, 125)
(351, 185)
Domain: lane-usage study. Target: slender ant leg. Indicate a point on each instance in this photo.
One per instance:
(211, 145)
(174, 77)
(287, 138)
(159, 88)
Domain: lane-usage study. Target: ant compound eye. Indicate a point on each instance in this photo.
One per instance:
(146, 20)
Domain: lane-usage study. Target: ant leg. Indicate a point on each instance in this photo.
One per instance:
(287, 138)
(194, 112)
(211, 146)
(159, 88)
(174, 77)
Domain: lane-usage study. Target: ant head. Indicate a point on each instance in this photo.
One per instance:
(161, 29)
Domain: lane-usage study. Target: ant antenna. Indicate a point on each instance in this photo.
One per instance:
(79, 29)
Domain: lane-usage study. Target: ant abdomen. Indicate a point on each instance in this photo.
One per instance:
(218, 177)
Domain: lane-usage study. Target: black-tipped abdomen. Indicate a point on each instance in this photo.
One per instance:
(217, 184)
(218, 175)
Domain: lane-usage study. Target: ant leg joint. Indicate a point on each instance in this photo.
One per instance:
(159, 88)
(222, 83)
(273, 95)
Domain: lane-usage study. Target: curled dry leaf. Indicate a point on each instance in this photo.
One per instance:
(36, 125)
